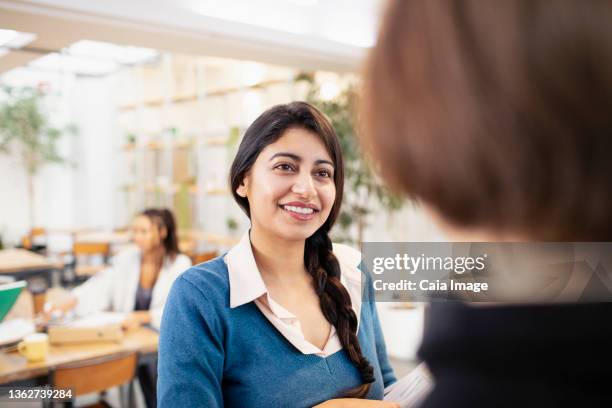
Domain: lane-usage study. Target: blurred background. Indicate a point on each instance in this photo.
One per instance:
(136, 104)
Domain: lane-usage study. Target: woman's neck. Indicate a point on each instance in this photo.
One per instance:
(279, 260)
(154, 255)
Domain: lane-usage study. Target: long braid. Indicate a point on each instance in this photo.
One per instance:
(336, 305)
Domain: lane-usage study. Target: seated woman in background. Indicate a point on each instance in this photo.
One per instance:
(139, 278)
(497, 117)
(278, 321)
(137, 282)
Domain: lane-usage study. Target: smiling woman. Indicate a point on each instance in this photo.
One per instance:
(278, 320)
(291, 180)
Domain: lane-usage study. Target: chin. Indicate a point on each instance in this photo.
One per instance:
(297, 233)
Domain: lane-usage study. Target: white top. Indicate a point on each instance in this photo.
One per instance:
(114, 288)
(247, 285)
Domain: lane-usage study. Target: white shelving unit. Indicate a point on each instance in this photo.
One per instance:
(182, 119)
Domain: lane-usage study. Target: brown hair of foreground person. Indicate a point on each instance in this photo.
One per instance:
(497, 115)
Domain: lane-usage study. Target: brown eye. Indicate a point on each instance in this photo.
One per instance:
(284, 167)
(324, 173)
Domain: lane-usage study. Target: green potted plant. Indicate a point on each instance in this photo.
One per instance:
(362, 187)
(232, 225)
(26, 133)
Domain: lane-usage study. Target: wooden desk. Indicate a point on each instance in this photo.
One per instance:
(14, 367)
(23, 264)
(106, 237)
(116, 240)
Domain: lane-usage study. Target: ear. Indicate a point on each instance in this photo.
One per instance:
(163, 233)
(243, 187)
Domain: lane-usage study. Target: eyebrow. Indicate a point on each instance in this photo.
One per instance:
(298, 158)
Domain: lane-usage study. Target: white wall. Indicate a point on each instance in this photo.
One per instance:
(96, 153)
(409, 224)
(13, 200)
(67, 195)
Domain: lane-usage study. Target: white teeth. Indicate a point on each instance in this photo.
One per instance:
(299, 210)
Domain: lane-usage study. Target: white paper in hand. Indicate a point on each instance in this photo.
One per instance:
(411, 389)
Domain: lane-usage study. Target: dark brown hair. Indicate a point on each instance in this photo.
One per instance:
(497, 114)
(163, 218)
(319, 259)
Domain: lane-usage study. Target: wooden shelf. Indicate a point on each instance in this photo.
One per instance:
(217, 191)
(154, 145)
(217, 141)
(193, 189)
(175, 189)
(159, 102)
(182, 143)
(158, 145)
(155, 189)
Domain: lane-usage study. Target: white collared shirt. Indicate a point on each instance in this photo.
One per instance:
(247, 285)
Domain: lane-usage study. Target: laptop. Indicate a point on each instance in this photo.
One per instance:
(9, 292)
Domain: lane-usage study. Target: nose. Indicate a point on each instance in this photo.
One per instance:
(304, 185)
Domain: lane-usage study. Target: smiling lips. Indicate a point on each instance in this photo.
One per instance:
(300, 211)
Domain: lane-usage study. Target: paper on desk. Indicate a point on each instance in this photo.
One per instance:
(98, 319)
(13, 330)
(411, 389)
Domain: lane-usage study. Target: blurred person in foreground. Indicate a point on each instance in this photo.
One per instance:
(497, 118)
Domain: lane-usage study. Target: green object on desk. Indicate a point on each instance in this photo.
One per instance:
(8, 295)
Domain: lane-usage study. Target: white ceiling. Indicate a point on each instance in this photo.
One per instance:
(350, 22)
(310, 34)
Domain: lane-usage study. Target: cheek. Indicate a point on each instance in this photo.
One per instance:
(268, 193)
(327, 195)
(154, 238)
(144, 238)
(142, 241)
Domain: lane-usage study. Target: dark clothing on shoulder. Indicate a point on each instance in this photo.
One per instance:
(519, 356)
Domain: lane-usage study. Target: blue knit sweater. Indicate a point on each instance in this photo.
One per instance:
(211, 355)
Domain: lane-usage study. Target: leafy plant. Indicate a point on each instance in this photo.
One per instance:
(361, 186)
(26, 133)
(182, 206)
(232, 224)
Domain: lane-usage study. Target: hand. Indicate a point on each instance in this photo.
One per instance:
(136, 319)
(357, 403)
(131, 322)
(53, 311)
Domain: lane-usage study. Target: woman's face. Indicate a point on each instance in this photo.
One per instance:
(145, 233)
(290, 187)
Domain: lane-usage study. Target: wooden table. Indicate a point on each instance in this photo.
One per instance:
(15, 368)
(23, 264)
